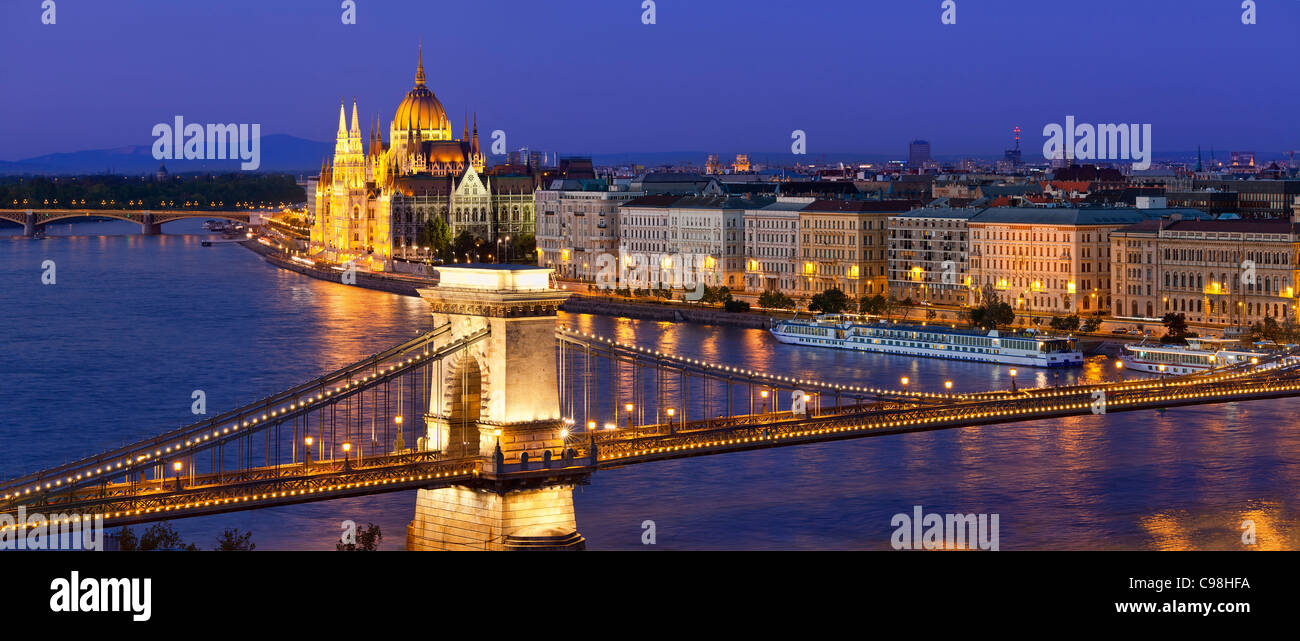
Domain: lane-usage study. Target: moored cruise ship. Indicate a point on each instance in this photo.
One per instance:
(1198, 355)
(849, 332)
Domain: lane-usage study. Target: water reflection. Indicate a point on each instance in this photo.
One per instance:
(135, 324)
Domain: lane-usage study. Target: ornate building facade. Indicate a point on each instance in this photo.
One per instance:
(374, 197)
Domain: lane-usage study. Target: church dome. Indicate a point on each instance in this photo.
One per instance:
(421, 111)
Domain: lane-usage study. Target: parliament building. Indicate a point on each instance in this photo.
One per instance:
(373, 198)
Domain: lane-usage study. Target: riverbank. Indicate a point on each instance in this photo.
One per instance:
(403, 286)
(577, 304)
(602, 305)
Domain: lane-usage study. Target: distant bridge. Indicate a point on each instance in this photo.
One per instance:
(150, 221)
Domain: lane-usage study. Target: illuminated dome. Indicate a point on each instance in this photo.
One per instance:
(420, 112)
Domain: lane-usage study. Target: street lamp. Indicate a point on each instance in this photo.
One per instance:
(628, 408)
(178, 466)
(347, 463)
(947, 385)
(306, 461)
(764, 395)
(1013, 380)
(904, 381)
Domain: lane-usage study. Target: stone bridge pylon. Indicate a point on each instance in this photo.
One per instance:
(498, 398)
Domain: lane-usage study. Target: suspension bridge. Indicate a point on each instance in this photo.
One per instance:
(497, 414)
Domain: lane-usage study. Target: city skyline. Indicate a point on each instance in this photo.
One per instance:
(631, 87)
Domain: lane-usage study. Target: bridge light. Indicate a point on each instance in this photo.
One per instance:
(947, 384)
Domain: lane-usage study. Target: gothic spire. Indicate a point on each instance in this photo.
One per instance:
(419, 68)
(343, 126)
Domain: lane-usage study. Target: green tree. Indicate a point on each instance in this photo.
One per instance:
(874, 305)
(1176, 330)
(775, 300)
(525, 248)
(733, 305)
(831, 301)
(232, 540)
(1065, 323)
(991, 313)
(715, 294)
(465, 245)
(1091, 325)
(439, 237)
(367, 540)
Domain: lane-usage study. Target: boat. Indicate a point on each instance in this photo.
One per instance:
(1198, 355)
(206, 243)
(845, 331)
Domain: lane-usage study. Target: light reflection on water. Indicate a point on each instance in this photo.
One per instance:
(112, 352)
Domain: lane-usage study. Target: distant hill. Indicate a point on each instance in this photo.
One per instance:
(280, 153)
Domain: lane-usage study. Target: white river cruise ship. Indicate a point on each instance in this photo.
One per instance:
(933, 341)
(1198, 355)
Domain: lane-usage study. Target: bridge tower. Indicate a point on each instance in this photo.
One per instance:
(498, 399)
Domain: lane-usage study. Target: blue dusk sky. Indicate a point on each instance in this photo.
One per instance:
(586, 76)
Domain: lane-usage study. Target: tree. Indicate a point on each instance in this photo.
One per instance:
(232, 540)
(439, 237)
(367, 540)
(831, 301)
(991, 313)
(775, 300)
(875, 305)
(1175, 328)
(1091, 325)
(464, 246)
(159, 536)
(715, 294)
(1065, 323)
(525, 247)
(733, 305)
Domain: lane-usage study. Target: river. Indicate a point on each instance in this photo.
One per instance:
(112, 351)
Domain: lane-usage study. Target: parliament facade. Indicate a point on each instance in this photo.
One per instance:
(373, 198)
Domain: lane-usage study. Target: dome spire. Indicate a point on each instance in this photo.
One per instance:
(419, 67)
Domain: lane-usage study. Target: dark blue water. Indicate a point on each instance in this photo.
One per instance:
(113, 350)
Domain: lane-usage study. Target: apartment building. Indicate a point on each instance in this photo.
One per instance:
(706, 230)
(772, 247)
(842, 244)
(1053, 260)
(577, 221)
(928, 255)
